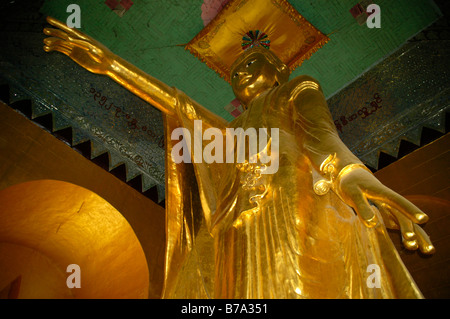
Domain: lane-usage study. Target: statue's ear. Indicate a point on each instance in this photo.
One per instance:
(283, 68)
(284, 72)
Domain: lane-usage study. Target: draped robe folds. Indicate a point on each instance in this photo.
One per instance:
(295, 244)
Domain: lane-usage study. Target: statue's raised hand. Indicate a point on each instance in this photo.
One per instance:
(358, 186)
(84, 50)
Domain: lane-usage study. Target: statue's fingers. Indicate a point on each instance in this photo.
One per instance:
(56, 44)
(53, 21)
(410, 244)
(408, 209)
(92, 51)
(70, 31)
(67, 44)
(395, 200)
(52, 41)
(60, 25)
(388, 219)
(84, 45)
(364, 210)
(56, 33)
(59, 48)
(52, 44)
(94, 57)
(424, 241)
(406, 225)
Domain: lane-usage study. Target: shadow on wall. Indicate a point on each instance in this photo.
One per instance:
(47, 225)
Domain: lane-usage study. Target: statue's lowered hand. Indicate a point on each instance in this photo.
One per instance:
(358, 187)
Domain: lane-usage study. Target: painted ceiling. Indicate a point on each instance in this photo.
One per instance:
(151, 34)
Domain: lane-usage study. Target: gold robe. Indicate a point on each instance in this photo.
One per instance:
(291, 244)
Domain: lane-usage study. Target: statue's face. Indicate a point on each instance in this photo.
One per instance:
(252, 76)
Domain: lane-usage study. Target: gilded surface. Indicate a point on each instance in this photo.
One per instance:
(291, 36)
(233, 232)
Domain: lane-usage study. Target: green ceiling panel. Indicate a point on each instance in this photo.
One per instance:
(150, 33)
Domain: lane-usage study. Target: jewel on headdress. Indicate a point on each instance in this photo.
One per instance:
(255, 38)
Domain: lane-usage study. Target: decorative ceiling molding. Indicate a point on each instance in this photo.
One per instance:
(86, 147)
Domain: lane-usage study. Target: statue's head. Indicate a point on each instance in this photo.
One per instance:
(255, 71)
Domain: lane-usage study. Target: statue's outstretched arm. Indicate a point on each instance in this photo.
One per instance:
(346, 175)
(96, 58)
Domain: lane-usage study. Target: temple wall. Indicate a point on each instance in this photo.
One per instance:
(422, 177)
(29, 153)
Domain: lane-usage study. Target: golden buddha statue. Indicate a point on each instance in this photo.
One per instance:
(310, 230)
